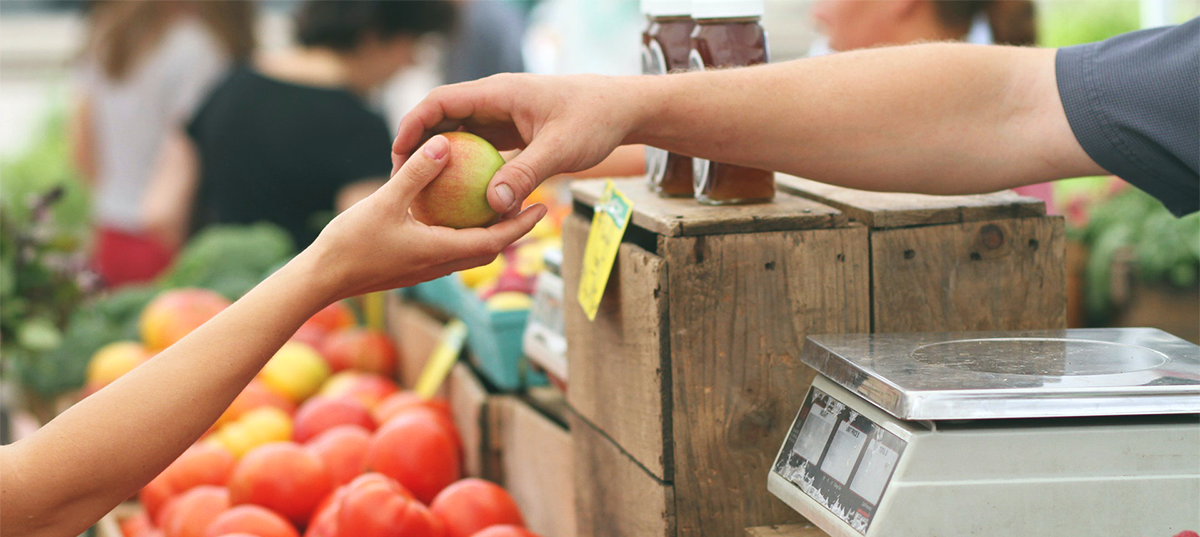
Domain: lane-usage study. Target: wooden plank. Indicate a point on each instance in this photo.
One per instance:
(416, 332)
(740, 308)
(888, 209)
(795, 530)
(991, 275)
(614, 495)
(469, 400)
(535, 454)
(617, 362)
(674, 217)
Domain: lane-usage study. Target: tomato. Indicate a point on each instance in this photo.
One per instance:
(332, 317)
(137, 524)
(368, 388)
(471, 505)
(399, 402)
(201, 464)
(361, 349)
(376, 506)
(505, 531)
(418, 452)
(155, 495)
(343, 449)
(194, 510)
(320, 414)
(251, 519)
(283, 477)
(254, 395)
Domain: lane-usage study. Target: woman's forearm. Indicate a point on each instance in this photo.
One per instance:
(105, 450)
(939, 118)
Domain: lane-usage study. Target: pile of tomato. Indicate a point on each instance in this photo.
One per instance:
(352, 456)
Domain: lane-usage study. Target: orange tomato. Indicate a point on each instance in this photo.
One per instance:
(254, 395)
(505, 531)
(283, 477)
(201, 464)
(137, 524)
(470, 505)
(361, 349)
(175, 313)
(398, 402)
(418, 452)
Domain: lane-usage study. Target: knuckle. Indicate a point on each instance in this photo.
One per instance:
(523, 175)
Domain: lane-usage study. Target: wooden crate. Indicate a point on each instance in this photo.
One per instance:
(536, 465)
(476, 415)
(956, 263)
(686, 382)
(796, 530)
(416, 331)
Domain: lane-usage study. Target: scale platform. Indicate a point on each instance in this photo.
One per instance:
(1065, 432)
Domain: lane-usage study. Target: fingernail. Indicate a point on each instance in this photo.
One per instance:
(505, 194)
(437, 147)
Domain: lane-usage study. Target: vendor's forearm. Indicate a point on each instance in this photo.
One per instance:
(106, 449)
(937, 118)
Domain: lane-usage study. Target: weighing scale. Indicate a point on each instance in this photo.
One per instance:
(1038, 433)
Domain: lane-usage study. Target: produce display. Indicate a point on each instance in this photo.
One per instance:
(303, 450)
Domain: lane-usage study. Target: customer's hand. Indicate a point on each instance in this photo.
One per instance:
(377, 244)
(563, 124)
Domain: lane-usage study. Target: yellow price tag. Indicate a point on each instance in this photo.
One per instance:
(441, 359)
(608, 226)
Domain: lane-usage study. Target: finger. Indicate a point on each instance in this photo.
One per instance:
(517, 179)
(416, 172)
(475, 242)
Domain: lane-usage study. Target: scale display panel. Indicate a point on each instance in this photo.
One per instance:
(839, 458)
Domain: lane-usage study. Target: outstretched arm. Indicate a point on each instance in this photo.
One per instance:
(934, 118)
(79, 466)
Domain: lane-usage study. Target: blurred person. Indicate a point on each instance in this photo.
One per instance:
(289, 138)
(147, 66)
(486, 40)
(855, 24)
(66, 476)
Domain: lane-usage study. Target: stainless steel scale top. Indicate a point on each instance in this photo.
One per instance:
(1026, 374)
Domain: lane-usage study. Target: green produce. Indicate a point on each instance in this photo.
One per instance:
(229, 259)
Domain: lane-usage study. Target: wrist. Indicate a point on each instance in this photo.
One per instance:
(646, 99)
(314, 280)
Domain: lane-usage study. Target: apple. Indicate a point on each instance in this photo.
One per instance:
(457, 197)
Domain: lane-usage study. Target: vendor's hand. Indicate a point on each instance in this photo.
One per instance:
(563, 124)
(377, 244)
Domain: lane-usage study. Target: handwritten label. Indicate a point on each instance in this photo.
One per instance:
(608, 226)
(441, 359)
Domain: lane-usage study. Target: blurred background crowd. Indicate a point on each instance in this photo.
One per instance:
(129, 126)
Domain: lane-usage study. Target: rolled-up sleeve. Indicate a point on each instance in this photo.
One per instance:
(1133, 102)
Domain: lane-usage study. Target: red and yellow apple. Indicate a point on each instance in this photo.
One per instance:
(457, 197)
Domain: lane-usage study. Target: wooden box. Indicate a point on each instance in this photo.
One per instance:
(415, 331)
(955, 263)
(685, 384)
(536, 460)
(683, 387)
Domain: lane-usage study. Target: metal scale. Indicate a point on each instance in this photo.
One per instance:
(1038, 433)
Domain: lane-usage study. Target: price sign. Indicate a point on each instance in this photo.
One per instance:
(608, 226)
(441, 359)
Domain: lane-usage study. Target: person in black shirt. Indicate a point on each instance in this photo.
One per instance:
(290, 139)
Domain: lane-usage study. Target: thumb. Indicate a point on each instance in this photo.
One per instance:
(421, 167)
(517, 179)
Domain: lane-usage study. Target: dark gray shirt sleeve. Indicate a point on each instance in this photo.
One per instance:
(1133, 102)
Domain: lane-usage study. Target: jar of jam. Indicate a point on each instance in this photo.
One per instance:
(666, 45)
(729, 33)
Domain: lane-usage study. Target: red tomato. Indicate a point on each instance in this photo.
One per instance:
(283, 477)
(472, 504)
(332, 317)
(194, 510)
(155, 495)
(505, 531)
(136, 525)
(368, 388)
(361, 349)
(256, 394)
(398, 402)
(375, 506)
(320, 414)
(343, 449)
(324, 519)
(251, 519)
(418, 452)
(239, 534)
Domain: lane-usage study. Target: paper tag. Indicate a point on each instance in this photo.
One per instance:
(441, 359)
(608, 226)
